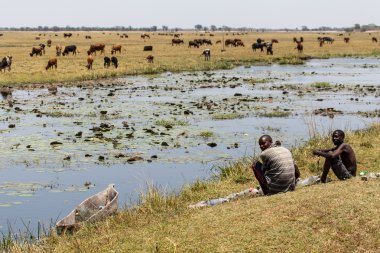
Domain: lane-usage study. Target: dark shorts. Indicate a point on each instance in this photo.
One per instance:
(340, 169)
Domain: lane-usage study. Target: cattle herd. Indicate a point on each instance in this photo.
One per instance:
(100, 48)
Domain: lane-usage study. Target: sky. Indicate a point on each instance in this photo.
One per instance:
(188, 13)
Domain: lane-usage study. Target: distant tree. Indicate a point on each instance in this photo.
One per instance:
(357, 26)
(153, 28)
(198, 27)
(165, 28)
(304, 28)
(213, 28)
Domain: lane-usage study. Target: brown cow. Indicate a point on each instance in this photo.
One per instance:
(52, 63)
(274, 41)
(116, 48)
(49, 43)
(150, 58)
(177, 41)
(36, 51)
(346, 39)
(374, 39)
(90, 60)
(239, 43)
(58, 50)
(299, 47)
(96, 47)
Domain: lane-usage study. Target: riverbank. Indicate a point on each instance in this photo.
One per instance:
(30, 71)
(341, 216)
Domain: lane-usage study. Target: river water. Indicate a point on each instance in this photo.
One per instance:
(100, 130)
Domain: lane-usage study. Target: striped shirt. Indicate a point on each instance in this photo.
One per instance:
(279, 169)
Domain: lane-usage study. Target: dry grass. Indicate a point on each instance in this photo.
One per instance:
(31, 70)
(341, 216)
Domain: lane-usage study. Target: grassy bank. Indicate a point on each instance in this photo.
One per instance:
(132, 60)
(341, 216)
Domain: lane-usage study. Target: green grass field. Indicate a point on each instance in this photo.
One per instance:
(341, 216)
(31, 70)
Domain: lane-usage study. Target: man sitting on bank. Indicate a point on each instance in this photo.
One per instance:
(341, 158)
(277, 172)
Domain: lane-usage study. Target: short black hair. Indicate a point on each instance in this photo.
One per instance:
(268, 137)
(339, 132)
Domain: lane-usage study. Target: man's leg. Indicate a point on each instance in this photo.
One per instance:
(259, 174)
(326, 168)
(339, 169)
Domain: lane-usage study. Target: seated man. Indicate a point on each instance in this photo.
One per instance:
(341, 158)
(278, 172)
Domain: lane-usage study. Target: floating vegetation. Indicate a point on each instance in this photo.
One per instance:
(226, 116)
(206, 134)
(372, 114)
(321, 85)
(169, 123)
(274, 114)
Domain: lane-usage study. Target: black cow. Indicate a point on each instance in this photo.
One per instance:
(6, 62)
(207, 54)
(68, 49)
(374, 39)
(148, 48)
(107, 62)
(269, 47)
(67, 35)
(114, 61)
(257, 46)
(193, 44)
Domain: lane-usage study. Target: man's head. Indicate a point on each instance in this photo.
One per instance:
(338, 137)
(265, 142)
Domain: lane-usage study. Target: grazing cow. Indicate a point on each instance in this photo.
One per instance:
(58, 50)
(207, 42)
(6, 62)
(68, 49)
(67, 35)
(90, 60)
(96, 47)
(107, 62)
(229, 42)
(299, 47)
(87, 37)
(193, 44)
(148, 48)
(328, 40)
(114, 62)
(42, 46)
(116, 48)
(143, 36)
(274, 41)
(177, 41)
(257, 46)
(38, 38)
(150, 58)
(346, 39)
(207, 54)
(49, 43)
(52, 63)
(218, 42)
(199, 41)
(374, 39)
(1, 34)
(36, 51)
(239, 43)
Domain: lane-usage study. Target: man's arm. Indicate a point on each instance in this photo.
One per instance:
(331, 153)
